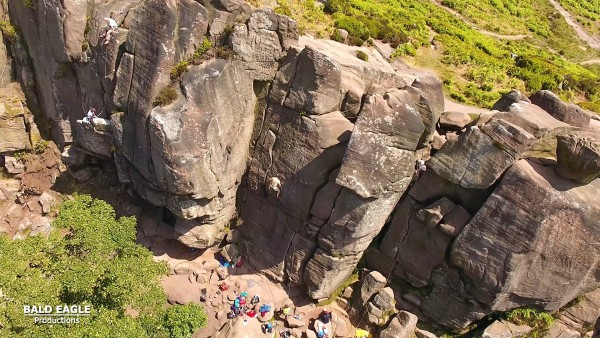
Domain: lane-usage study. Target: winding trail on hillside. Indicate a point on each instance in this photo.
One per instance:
(581, 33)
(482, 31)
(590, 62)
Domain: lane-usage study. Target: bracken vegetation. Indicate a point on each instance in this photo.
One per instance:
(587, 13)
(90, 259)
(476, 68)
(40, 146)
(538, 320)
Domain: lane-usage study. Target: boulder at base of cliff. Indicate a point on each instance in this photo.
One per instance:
(94, 141)
(12, 120)
(403, 325)
(499, 329)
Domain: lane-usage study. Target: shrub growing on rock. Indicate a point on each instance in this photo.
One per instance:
(362, 55)
(165, 97)
(538, 320)
(203, 48)
(179, 69)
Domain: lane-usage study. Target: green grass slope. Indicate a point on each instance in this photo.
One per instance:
(476, 68)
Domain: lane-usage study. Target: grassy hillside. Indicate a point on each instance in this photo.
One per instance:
(587, 13)
(476, 67)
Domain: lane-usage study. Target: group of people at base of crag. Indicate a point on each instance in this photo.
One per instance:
(241, 306)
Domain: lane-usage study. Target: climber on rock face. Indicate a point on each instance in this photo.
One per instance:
(111, 27)
(420, 167)
(274, 184)
(90, 116)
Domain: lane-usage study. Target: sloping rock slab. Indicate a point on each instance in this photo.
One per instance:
(536, 240)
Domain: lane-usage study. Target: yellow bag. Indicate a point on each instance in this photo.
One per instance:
(362, 333)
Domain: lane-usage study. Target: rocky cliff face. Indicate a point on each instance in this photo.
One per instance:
(483, 229)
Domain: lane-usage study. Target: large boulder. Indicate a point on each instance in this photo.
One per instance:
(380, 156)
(13, 166)
(514, 96)
(530, 117)
(403, 325)
(94, 141)
(500, 329)
(315, 87)
(454, 121)
(578, 156)
(370, 284)
(352, 226)
(198, 150)
(14, 134)
(584, 312)
(543, 252)
(9, 189)
(479, 156)
(562, 111)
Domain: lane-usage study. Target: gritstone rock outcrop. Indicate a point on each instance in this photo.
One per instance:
(484, 228)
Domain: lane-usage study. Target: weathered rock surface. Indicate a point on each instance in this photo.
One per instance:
(13, 166)
(536, 253)
(9, 188)
(500, 329)
(478, 158)
(578, 156)
(454, 121)
(403, 325)
(12, 121)
(560, 330)
(14, 135)
(94, 141)
(530, 117)
(479, 231)
(418, 247)
(73, 157)
(584, 313)
(262, 41)
(380, 155)
(562, 111)
(240, 327)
